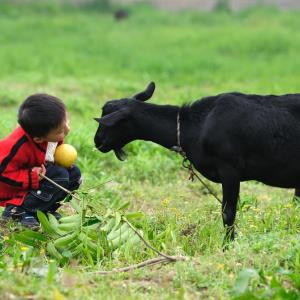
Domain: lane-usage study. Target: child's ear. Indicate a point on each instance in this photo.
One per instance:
(38, 140)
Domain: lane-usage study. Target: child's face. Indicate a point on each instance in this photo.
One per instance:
(57, 134)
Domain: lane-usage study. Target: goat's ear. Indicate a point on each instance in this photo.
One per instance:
(113, 118)
(147, 93)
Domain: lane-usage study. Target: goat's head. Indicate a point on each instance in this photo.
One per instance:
(115, 128)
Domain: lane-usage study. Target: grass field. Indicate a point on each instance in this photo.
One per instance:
(85, 58)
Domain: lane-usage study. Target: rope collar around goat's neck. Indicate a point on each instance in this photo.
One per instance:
(186, 163)
(178, 149)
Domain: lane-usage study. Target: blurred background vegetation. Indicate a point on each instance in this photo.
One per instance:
(87, 52)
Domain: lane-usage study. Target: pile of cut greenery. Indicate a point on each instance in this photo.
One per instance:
(88, 235)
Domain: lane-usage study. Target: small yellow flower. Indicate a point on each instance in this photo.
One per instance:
(220, 266)
(174, 210)
(5, 238)
(166, 202)
(269, 278)
(23, 248)
(57, 295)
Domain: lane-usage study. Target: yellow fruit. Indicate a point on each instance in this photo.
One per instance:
(65, 155)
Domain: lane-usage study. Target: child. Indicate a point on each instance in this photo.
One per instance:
(28, 152)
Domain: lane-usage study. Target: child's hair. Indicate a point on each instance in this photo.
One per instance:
(41, 113)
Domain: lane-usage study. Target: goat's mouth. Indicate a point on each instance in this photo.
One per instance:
(99, 147)
(120, 154)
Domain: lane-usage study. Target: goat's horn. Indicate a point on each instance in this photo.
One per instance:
(147, 93)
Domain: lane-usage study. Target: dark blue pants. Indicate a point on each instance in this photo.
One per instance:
(48, 196)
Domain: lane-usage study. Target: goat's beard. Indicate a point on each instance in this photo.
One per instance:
(120, 154)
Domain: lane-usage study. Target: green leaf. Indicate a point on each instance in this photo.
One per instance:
(52, 270)
(75, 206)
(134, 215)
(118, 218)
(243, 281)
(46, 225)
(25, 239)
(34, 235)
(123, 205)
(296, 280)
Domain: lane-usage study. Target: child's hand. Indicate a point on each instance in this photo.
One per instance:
(40, 171)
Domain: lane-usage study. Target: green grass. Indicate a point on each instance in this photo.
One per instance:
(86, 57)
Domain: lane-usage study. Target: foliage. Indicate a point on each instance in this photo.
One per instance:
(222, 5)
(253, 285)
(89, 239)
(85, 58)
(56, 6)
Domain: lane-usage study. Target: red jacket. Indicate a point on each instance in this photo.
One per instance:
(18, 155)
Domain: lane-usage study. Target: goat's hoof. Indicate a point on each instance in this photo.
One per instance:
(226, 243)
(229, 237)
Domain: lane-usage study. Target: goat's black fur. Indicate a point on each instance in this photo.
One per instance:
(229, 138)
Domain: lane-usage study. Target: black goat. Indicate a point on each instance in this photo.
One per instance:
(229, 138)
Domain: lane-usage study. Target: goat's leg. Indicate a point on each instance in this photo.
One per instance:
(231, 189)
(296, 198)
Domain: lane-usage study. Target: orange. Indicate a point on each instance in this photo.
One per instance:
(65, 155)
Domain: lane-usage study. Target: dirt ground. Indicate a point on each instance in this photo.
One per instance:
(210, 4)
(205, 5)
